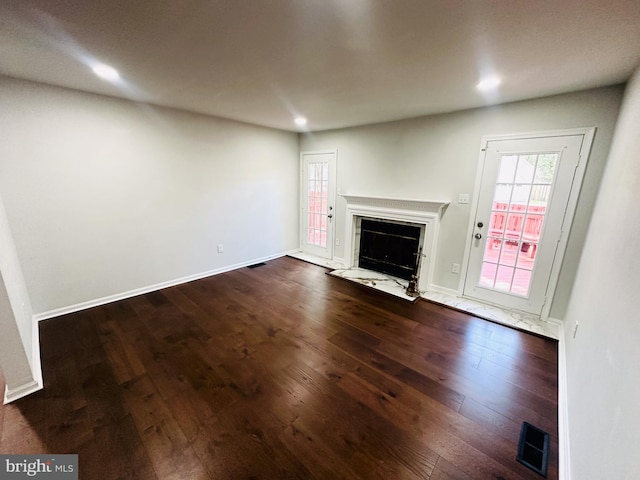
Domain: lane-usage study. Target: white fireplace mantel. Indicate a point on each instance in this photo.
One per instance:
(410, 204)
(423, 212)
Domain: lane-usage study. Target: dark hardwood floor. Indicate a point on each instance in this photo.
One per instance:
(283, 371)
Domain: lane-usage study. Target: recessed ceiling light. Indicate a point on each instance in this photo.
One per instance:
(488, 83)
(106, 72)
(300, 121)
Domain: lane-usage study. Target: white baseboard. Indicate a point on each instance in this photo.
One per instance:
(13, 394)
(564, 459)
(151, 288)
(444, 290)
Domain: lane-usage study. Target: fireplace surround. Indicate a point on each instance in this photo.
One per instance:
(422, 214)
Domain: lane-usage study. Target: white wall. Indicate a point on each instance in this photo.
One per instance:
(106, 196)
(14, 281)
(603, 361)
(435, 158)
(19, 345)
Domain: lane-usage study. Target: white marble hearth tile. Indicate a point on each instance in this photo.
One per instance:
(519, 320)
(379, 281)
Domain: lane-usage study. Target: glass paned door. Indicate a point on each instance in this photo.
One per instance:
(524, 193)
(521, 196)
(318, 206)
(318, 181)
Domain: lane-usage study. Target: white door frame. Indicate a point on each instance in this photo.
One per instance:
(331, 198)
(588, 135)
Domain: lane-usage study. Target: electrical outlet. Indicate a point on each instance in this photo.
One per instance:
(575, 329)
(463, 198)
(455, 268)
(220, 248)
(337, 242)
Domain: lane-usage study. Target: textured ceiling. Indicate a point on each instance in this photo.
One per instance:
(338, 62)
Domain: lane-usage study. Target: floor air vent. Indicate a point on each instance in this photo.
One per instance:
(533, 448)
(256, 265)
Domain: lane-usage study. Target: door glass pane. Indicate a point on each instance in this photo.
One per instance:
(546, 168)
(507, 171)
(526, 167)
(526, 255)
(504, 278)
(492, 249)
(514, 226)
(522, 192)
(498, 222)
(488, 274)
(539, 196)
(503, 194)
(318, 179)
(509, 254)
(520, 197)
(521, 280)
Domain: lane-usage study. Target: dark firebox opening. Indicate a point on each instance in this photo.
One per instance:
(389, 248)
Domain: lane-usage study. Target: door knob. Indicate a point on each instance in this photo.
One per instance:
(477, 236)
(330, 215)
(480, 224)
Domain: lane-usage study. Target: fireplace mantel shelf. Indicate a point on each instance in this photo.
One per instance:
(390, 202)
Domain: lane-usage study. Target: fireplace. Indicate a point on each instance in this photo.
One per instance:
(389, 247)
(368, 214)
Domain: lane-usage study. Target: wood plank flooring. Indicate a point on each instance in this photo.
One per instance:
(283, 371)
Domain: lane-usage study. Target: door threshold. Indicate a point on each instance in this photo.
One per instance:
(519, 320)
